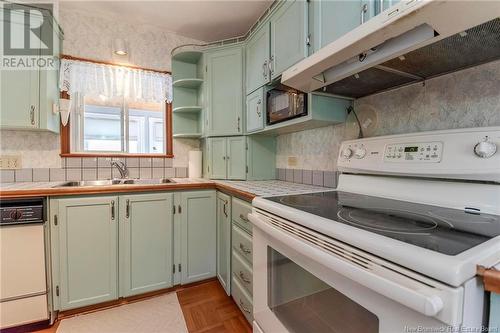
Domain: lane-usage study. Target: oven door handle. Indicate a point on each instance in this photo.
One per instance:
(429, 304)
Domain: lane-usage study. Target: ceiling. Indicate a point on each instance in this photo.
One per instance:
(205, 20)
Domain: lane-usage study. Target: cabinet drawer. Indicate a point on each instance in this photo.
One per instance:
(242, 243)
(242, 299)
(243, 272)
(240, 211)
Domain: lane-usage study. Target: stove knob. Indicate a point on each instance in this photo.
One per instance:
(485, 148)
(360, 152)
(346, 153)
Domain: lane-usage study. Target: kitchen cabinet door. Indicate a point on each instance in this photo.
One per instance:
(217, 158)
(224, 241)
(146, 236)
(288, 36)
(255, 111)
(199, 233)
(236, 157)
(329, 20)
(225, 91)
(257, 59)
(88, 250)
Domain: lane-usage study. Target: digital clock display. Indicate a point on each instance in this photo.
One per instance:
(411, 149)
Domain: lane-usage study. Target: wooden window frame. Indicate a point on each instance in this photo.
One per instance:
(65, 131)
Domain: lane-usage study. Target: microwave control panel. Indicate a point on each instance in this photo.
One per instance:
(414, 152)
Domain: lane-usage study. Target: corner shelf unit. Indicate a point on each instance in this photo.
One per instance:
(188, 79)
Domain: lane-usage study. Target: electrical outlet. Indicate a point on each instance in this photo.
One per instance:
(10, 162)
(292, 161)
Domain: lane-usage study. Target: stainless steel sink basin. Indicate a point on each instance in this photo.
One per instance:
(92, 183)
(148, 181)
(116, 182)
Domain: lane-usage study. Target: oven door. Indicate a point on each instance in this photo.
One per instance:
(305, 282)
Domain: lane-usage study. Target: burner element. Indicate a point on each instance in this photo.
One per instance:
(388, 221)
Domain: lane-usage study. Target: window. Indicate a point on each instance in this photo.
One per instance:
(115, 125)
(115, 109)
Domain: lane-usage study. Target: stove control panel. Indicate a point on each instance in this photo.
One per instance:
(430, 152)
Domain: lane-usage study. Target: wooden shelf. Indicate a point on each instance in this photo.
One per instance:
(187, 109)
(187, 135)
(191, 57)
(188, 83)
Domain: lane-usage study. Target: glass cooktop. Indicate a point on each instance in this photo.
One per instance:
(445, 230)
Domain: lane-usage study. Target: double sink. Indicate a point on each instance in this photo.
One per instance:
(109, 182)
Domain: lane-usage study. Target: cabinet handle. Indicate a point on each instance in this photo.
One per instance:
(32, 114)
(112, 209)
(225, 208)
(258, 108)
(243, 277)
(364, 9)
(239, 124)
(224, 158)
(179, 209)
(127, 210)
(242, 306)
(271, 64)
(244, 218)
(244, 249)
(264, 69)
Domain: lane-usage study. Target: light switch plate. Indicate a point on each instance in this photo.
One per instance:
(10, 162)
(292, 161)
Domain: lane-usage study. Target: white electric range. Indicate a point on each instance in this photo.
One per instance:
(394, 248)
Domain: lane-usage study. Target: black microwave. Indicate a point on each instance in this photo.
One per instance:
(285, 103)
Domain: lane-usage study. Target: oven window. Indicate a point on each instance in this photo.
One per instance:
(304, 303)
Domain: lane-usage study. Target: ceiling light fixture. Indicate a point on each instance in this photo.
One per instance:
(120, 47)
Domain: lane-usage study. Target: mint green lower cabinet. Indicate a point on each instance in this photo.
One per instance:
(255, 111)
(224, 241)
(236, 157)
(199, 234)
(87, 234)
(216, 151)
(146, 249)
(261, 157)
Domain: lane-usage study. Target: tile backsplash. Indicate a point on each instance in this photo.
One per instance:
(92, 168)
(308, 177)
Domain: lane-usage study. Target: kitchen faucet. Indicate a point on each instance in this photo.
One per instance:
(122, 168)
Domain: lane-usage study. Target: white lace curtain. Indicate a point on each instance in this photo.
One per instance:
(88, 78)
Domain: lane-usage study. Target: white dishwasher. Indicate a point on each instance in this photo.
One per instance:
(23, 283)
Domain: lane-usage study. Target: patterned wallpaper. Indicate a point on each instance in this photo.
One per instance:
(469, 98)
(91, 37)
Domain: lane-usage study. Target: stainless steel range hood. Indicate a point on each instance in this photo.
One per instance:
(422, 40)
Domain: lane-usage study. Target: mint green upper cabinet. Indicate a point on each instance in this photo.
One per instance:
(255, 111)
(236, 157)
(27, 96)
(329, 20)
(288, 36)
(146, 234)
(88, 250)
(198, 220)
(225, 91)
(257, 59)
(224, 241)
(19, 99)
(217, 158)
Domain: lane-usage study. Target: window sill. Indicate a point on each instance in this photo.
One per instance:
(115, 155)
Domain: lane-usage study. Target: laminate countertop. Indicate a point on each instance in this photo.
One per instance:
(245, 190)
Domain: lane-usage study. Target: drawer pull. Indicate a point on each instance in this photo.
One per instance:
(244, 278)
(244, 249)
(244, 218)
(242, 306)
